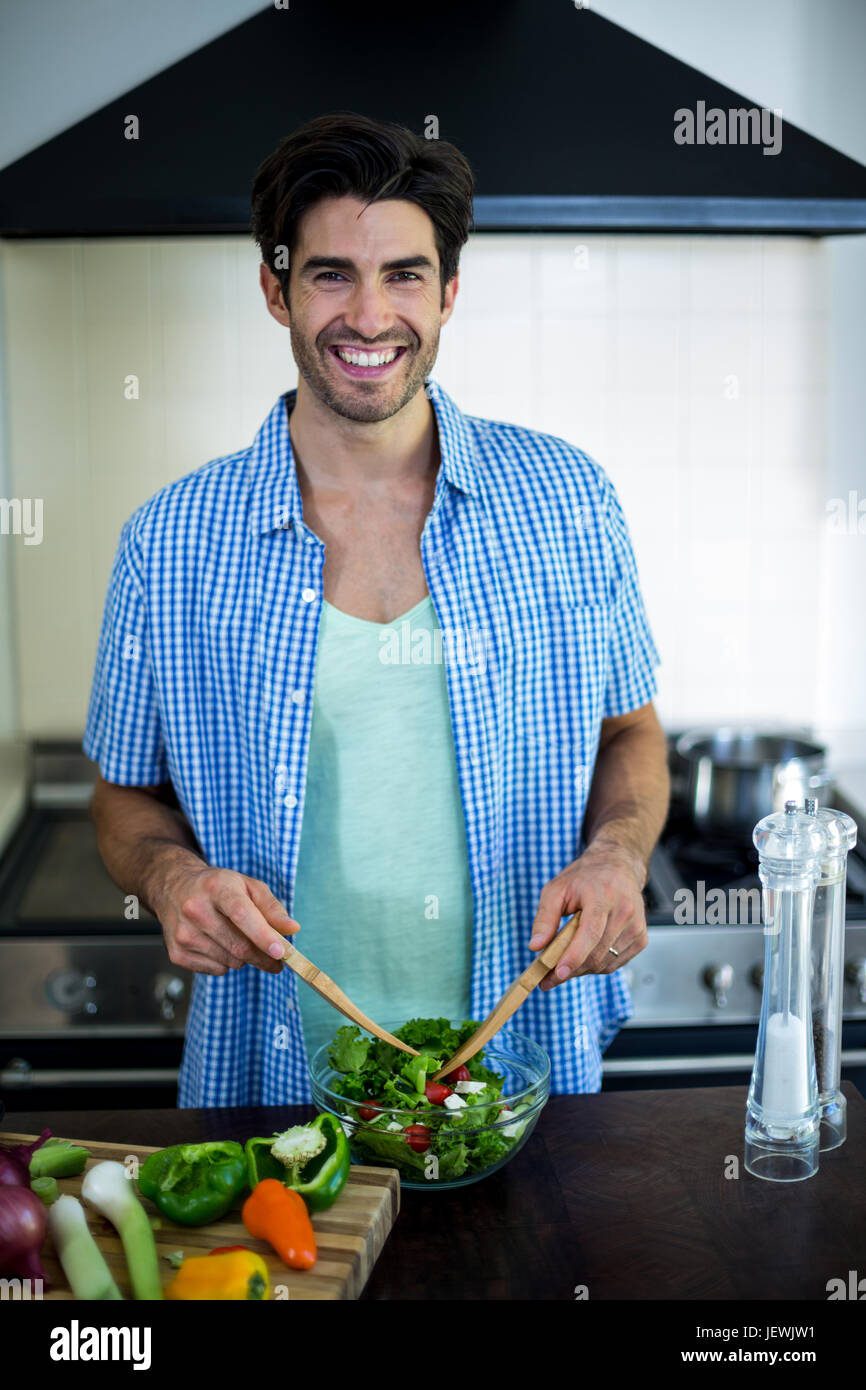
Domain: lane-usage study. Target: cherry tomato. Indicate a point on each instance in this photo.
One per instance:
(369, 1112)
(418, 1138)
(459, 1074)
(436, 1093)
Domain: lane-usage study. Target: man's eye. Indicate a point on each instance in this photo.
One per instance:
(335, 274)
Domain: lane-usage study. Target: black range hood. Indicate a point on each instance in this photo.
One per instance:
(568, 121)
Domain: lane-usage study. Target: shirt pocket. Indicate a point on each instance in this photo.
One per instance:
(560, 674)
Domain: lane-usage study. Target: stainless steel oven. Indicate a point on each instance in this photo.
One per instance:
(92, 1011)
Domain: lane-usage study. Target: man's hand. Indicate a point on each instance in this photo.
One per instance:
(605, 883)
(215, 920)
(625, 813)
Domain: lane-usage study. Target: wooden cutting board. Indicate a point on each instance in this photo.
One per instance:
(349, 1236)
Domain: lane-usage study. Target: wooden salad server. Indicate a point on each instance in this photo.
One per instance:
(324, 985)
(513, 997)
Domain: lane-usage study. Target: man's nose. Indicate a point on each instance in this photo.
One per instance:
(369, 312)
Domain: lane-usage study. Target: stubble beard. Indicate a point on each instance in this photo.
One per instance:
(367, 404)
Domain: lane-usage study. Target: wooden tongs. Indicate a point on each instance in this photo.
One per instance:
(324, 985)
(513, 997)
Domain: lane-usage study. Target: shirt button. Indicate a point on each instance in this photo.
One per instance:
(298, 697)
(308, 595)
(290, 801)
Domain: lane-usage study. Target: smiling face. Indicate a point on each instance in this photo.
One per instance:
(365, 304)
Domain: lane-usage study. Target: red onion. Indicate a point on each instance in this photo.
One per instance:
(15, 1161)
(23, 1223)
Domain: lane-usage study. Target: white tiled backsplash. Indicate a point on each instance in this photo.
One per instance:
(694, 369)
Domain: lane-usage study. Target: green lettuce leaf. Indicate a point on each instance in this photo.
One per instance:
(348, 1052)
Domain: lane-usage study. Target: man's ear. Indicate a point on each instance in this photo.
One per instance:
(273, 292)
(450, 295)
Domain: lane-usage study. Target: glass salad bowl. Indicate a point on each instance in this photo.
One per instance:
(443, 1145)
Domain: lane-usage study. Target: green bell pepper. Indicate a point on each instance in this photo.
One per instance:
(194, 1183)
(312, 1159)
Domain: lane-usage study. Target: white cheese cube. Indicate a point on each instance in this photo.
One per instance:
(454, 1102)
(470, 1088)
(393, 1125)
(511, 1131)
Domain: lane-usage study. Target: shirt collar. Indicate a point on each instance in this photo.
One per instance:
(275, 497)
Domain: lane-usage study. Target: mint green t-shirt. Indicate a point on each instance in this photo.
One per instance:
(382, 888)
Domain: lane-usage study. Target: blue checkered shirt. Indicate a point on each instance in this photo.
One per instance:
(204, 677)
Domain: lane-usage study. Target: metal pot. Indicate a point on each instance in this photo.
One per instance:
(737, 776)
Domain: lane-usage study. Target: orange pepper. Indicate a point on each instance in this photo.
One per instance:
(273, 1212)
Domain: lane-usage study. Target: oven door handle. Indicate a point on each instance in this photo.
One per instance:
(688, 1066)
(21, 1078)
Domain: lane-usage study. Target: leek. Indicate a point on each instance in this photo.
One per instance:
(108, 1187)
(80, 1257)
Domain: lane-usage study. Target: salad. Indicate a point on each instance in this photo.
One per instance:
(457, 1125)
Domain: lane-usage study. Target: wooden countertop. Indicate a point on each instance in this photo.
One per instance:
(624, 1193)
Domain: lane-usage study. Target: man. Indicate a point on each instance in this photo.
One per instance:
(389, 665)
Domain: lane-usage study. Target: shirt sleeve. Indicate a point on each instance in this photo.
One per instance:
(632, 654)
(123, 733)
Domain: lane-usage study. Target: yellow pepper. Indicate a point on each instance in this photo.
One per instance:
(237, 1274)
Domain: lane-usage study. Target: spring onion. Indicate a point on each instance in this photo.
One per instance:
(81, 1258)
(46, 1189)
(108, 1187)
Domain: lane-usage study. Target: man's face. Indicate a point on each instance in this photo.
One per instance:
(364, 280)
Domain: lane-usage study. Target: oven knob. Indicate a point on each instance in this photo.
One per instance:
(756, 975)
(855, 974)
(719, 979)
(167, 990)
(68, 990)
(16, 1073)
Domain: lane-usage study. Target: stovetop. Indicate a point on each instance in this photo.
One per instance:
(695, 880)
(53, 881)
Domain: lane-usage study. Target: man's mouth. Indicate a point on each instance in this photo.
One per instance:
(366, 362)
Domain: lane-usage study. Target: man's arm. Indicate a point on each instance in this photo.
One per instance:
(630, 792)
(625, 813)
(213, 919)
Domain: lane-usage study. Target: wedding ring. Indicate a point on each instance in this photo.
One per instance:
(612, 951)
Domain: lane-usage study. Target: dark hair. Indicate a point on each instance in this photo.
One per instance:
(346, 154)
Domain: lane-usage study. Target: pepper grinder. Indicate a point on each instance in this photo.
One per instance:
(828, 956)
(782, 1115)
